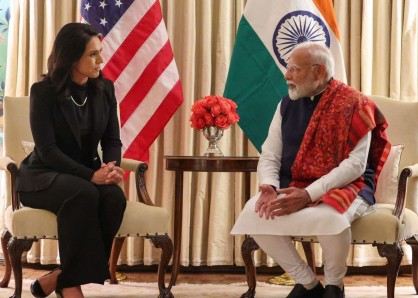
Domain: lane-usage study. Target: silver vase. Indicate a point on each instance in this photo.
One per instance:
(213, 134)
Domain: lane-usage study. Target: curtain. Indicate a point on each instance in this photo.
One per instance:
(379, 40)
(33, 26)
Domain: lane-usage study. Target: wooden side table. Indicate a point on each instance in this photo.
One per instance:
(181, 164)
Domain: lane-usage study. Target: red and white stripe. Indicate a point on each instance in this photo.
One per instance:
(139, 60)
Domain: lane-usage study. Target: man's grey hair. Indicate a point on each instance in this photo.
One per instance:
(320, 55)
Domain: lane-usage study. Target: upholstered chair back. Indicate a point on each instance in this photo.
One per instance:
(17, 129)
(403, 129)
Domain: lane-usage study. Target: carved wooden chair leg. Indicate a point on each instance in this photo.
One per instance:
(166, 244)
(393, 254)
(114, 256)
(16, 247)
(5, 237)
(247, 251)
(414, 245)
(308, 248)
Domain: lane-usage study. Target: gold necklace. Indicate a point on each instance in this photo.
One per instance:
(77, 104)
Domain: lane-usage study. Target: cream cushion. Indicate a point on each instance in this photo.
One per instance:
(152, 219)
(387, 185)
(382, 227)
(28, 222)
(139, 220)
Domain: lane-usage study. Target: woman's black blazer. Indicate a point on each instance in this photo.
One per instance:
(56, 133)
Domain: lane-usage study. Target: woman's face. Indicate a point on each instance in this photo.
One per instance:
(89, 64)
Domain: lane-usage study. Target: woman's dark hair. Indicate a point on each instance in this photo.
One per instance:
(69, 45)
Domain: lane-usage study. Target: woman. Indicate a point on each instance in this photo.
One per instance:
(71, 110)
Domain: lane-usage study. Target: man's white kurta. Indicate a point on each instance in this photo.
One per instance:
(318, 220)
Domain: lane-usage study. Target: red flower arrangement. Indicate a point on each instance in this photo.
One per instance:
(213, 111)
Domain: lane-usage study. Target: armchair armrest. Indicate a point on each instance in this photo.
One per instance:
(414, 170)
(130, 164)
(139, 168)
(407, 172)
(8, 164)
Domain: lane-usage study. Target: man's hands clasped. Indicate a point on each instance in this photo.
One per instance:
(108, 173)
(270, 204)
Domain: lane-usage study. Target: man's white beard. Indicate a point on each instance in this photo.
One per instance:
(302, 90)
(294, 93)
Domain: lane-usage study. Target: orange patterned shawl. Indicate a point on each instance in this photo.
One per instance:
(342, 117)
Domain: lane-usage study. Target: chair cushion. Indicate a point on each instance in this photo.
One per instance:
(139, 219)
(380, 227)
(31, 223)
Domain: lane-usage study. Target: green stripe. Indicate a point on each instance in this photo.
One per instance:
(255, 83)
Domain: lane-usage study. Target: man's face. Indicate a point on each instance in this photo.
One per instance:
(300, 75)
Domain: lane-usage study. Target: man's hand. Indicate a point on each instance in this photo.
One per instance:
(267, 195)
(293, 200)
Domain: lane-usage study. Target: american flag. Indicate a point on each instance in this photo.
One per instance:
(139, 60)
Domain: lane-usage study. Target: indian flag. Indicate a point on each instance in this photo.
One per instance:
(268, 31)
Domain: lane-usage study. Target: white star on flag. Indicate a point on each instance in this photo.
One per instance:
(103, 21)
(102, 4)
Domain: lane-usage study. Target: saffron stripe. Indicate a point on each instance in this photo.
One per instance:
(327, 10)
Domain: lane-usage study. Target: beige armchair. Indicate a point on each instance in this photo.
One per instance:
(24, 225)
(391, 223)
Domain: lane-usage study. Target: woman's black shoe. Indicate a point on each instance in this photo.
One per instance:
(36, 290)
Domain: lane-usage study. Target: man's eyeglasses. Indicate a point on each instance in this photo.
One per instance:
(296, 69)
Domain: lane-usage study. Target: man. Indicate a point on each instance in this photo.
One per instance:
(317, 171)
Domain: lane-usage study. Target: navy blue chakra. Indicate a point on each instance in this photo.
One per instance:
(297, 27)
